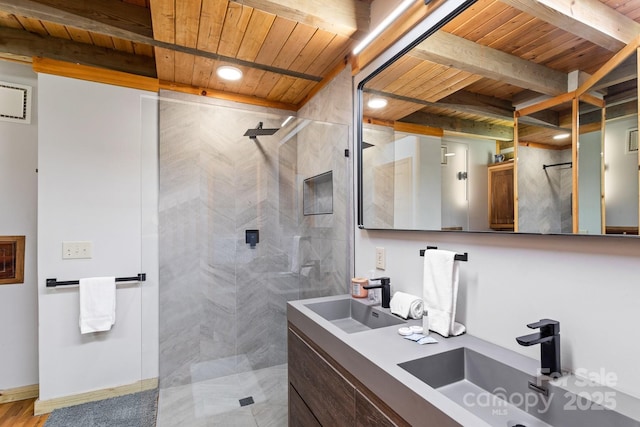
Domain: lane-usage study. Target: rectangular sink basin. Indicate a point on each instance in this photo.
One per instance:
(353, 316)
(500, 394)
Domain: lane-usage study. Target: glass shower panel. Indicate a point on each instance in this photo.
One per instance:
(222, 301)
(149, 256)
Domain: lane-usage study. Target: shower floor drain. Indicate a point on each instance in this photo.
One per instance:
(246, 401)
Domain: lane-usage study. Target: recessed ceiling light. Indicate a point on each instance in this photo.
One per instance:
(377, 103)
(562, 136)
(228, 72)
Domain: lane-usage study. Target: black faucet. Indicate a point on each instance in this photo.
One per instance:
(385, 285)
(549, 340)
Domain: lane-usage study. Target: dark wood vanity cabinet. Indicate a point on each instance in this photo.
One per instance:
(322, 393)
(501, 197)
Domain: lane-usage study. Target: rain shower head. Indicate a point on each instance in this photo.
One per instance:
(259, 131)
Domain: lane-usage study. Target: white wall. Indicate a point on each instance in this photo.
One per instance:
(18, 192)
(588, 283)
(97, 153)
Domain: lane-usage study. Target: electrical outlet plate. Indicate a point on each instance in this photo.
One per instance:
(77, 250)
(380, 258)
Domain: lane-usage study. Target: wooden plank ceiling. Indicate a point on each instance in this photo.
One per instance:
(283, 52)
(498, 54)
(475, 71)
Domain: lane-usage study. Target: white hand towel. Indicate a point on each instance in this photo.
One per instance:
(440, 292)
(97, 304)
(406, 305)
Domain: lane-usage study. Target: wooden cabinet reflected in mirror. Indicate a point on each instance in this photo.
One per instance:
(501, 212)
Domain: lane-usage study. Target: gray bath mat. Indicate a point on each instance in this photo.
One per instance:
(131, 410)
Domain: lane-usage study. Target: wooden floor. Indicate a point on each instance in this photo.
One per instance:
(20, 414)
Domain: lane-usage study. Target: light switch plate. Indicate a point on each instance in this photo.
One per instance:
(380, 258)
(77, 250)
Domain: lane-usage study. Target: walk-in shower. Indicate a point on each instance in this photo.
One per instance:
(222, 299)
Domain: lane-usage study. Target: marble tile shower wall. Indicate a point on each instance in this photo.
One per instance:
(544, 196)
(222, 303)
(321, 149)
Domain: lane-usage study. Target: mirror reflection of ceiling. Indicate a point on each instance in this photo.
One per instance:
(500, 56)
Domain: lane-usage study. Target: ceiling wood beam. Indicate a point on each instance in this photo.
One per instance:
(417, 129)
(542, 146)
(218, 94)
(622, 110)
(347, 18)
(587, 19)
(405, 127)
(24, 43)
(110, 17)
(476, 103)
(620, 96)
(79, 16)
(462, 97)
(457, 52)
(526, 98)
(545, 118)
(471, 127)
(93, 74)
(458, 104)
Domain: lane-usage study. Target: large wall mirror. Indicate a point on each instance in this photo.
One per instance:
(506, 119)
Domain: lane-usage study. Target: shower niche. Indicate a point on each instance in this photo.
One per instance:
(317, 194)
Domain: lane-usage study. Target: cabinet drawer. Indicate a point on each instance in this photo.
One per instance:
(299, 413)
(329, 396)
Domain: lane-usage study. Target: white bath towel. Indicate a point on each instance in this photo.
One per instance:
(440, 292)
(406, 305)
(97, 304)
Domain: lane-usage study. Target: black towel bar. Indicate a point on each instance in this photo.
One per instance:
(458, 257)
(52, 283)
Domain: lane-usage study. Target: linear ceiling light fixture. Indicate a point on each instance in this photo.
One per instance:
(561, 136)
(286, 121)
(227, 72)
(383, 25)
